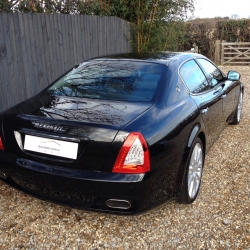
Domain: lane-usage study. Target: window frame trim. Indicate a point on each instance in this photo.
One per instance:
(202, 68)
(204, 92)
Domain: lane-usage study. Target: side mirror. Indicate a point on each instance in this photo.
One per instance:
(213, 82)
(233, 75)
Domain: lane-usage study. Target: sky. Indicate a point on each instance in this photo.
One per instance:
(222, 8)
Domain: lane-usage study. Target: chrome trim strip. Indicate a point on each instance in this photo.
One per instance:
(46, 135)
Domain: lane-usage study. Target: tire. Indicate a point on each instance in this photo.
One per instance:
(238, 110)
(193, 173)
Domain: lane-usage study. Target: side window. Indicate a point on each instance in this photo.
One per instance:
(194, 78)
(214, 75)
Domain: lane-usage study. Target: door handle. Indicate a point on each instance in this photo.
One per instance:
(223, 96)
(204, 111)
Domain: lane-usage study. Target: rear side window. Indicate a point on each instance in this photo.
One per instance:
(120, 80)
(194, 78)
(214, 75)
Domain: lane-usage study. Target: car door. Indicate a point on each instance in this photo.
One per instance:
(227, 93)
(209, 100)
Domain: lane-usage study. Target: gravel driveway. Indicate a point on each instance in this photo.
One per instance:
(218, 219)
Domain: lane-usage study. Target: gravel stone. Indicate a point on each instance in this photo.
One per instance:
(226, 222)
(218, 219)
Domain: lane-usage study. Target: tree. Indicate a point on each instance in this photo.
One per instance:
(7, 5)
(235, 16)
(151, 20)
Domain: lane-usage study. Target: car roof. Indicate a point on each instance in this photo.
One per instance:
(159, 57)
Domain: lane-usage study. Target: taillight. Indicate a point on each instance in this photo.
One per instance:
(1, 144)
(133, 157)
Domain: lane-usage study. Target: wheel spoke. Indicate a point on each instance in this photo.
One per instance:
(195, 187)
(195, 170)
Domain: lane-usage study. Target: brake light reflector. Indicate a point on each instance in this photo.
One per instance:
(133, 157)
(1, 144)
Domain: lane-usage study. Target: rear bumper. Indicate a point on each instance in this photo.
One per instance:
(86, 189)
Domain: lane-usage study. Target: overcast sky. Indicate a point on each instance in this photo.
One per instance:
(222, 8)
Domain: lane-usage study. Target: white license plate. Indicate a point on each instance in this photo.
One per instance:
(51, 146)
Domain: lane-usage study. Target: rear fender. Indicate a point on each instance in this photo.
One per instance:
(193, 135)
(197, 130)
(237, 93)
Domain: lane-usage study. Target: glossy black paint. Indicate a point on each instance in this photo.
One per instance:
(169, 125)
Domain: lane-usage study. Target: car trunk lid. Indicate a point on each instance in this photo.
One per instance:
(45, 128)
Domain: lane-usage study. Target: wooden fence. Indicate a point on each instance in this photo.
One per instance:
(35, 49)
(235, 53)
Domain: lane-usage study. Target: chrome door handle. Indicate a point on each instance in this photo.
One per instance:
(223, 96)
(204, 111)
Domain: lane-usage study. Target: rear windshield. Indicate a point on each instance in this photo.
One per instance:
(119, 80)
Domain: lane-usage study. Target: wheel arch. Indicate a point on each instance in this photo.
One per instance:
(196, 132)
(202, 136)
(242, 87)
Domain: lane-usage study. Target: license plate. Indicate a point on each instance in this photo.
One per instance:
(51, 146)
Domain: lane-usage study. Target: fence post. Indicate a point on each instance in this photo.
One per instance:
(217, 52)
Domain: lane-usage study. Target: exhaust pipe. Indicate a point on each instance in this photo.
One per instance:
(3, 175)
(121, 204)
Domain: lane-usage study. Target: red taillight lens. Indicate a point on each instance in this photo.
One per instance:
(1, 144)
(133, 157)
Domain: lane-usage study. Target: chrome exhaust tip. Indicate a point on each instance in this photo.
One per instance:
(121, 204)
(3, 175)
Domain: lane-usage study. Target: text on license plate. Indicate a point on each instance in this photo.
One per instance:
(51, 146)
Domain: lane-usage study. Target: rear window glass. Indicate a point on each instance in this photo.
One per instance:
(120, 80)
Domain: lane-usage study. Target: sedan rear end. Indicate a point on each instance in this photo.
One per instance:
(68, 143)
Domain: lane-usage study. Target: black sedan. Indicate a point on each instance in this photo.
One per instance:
(120, 133)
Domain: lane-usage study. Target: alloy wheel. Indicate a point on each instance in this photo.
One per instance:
(240, 105)
(195, 170)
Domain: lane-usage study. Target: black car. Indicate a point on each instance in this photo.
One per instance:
(120, 133)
